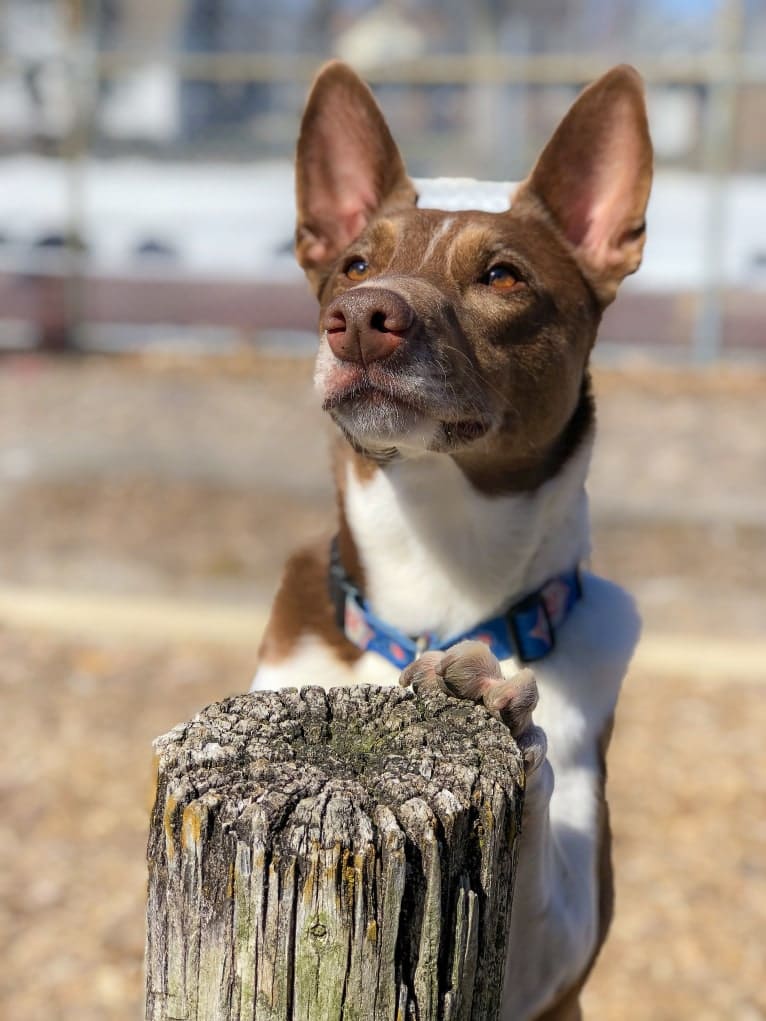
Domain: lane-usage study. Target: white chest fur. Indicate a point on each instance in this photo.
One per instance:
(440, 556)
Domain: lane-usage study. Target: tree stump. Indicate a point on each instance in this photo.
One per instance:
(343, 855)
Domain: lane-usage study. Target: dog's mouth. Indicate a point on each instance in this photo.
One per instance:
(384, 410)
(364, 393)
(465, 431)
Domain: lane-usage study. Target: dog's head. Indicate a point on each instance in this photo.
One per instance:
(466, 333)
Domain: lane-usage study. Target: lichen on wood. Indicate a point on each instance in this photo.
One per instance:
(332, 856)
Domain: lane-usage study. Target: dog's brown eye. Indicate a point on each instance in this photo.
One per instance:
(502, 278)
(357, 270)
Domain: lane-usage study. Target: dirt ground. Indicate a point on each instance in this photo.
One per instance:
(191, 480)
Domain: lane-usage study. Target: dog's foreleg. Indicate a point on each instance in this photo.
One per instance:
(553, 922)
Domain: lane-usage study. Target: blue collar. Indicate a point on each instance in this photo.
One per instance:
(527, 630)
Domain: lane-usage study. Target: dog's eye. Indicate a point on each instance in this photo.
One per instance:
(502, 278)
(358, 269)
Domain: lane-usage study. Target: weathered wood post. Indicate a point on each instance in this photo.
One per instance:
(341, 856)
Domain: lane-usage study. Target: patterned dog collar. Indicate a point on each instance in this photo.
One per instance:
(527, 630)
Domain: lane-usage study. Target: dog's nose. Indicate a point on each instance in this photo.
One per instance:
(367, 324)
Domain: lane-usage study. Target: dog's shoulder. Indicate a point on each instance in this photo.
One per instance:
(606, 625)
(302, 643)
(605, 632)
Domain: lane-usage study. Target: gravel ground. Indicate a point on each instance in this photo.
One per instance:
(197, 478)
(687, 789)
(194, 479)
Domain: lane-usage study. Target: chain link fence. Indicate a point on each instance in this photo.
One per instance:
(145, 153)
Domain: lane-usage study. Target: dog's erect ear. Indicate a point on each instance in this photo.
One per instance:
(347, 167)
(593, 179)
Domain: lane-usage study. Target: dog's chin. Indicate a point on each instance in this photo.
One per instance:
(379, 422)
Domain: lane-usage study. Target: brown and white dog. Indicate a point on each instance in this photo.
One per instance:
(454, 359)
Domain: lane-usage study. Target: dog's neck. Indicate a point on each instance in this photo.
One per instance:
(433, 553)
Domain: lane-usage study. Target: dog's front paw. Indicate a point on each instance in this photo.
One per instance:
(469, 670)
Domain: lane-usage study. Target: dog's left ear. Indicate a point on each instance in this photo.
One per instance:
(593, 179)
(347, 168)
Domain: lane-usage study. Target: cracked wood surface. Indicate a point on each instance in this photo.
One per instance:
(343, 855)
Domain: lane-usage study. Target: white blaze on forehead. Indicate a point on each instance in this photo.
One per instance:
(454, 194)
(438, 234)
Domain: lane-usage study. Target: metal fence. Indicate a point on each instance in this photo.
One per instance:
(66, 295)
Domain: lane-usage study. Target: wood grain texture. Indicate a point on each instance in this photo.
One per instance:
(332, 856)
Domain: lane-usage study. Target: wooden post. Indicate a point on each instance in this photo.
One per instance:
(332, 856)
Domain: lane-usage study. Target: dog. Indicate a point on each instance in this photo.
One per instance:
(454, 359)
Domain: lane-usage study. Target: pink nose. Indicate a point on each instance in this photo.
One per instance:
(367, 324)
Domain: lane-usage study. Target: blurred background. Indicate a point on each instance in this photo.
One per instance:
(161, 450)
(145, 151)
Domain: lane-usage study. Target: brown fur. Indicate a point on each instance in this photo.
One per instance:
(601, 148)
(502, 372)
(302, 606)
(369, 172)
(520, 357)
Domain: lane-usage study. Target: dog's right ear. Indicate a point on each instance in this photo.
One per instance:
(347, 168)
